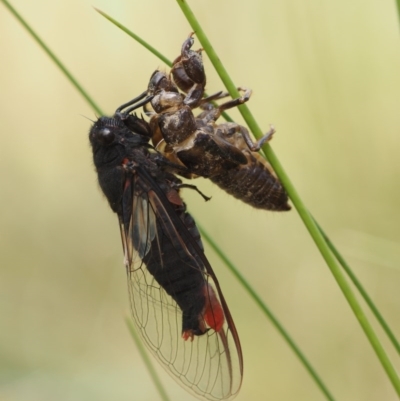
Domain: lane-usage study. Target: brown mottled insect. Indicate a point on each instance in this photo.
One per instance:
(225, 152)
(176, 302)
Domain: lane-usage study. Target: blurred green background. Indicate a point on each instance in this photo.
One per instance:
(325, 73)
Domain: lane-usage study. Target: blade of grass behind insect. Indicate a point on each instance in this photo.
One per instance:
(298, 203)
(79, 88)
(261, 304)
(338, 256)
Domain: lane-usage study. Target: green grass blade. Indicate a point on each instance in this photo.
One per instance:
(298, 203)
(261, 304)
(145, 357)
(56, 60)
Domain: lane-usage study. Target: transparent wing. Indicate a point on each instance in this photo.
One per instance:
(176, 302)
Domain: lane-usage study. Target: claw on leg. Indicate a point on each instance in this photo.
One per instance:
(267, 137)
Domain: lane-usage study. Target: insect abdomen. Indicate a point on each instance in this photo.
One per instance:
(181, 276)
(255, 185)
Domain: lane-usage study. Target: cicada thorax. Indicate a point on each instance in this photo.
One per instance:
(110, 138)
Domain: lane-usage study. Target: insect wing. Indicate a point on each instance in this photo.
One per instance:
(159, 242)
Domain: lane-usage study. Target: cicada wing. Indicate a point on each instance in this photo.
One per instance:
(137, 237)
(159, 244)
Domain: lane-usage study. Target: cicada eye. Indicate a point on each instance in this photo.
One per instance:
(106, 136)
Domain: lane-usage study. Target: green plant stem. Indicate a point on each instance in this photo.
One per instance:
(298, 203)
(147, 361)
(257, 299)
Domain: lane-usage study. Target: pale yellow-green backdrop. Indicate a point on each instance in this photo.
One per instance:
(325, 73)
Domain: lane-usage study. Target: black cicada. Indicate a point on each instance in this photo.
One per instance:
(225, 152)
(176, 301)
